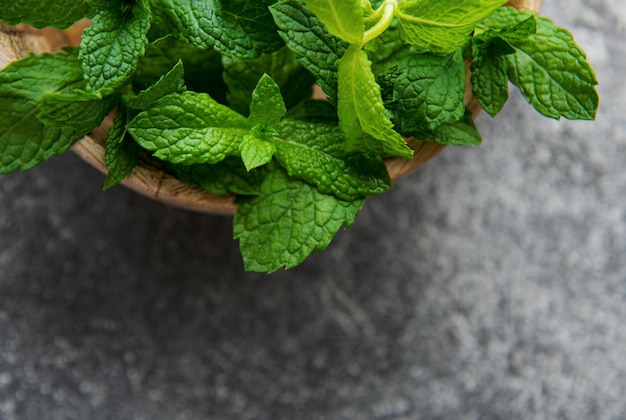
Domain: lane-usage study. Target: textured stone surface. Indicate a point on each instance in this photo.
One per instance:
(490, 284)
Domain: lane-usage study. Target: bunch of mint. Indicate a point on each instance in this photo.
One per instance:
(219, 93)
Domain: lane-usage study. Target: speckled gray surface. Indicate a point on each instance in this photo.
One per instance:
(490, 284)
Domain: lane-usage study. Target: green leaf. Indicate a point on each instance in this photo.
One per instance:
(171, 82)
(24, 140)
(242, 76)
(425, 90)
(490, 84)
(342, 18)
(288, 221)
(267, 105)
(121, 151)
(40, 14)
(203, 68)
(315, 48)
(315, 153)
(189, 128)
(458, 133)
(256, 152)
(222, 178)
(233, 27)
(77, 109)
(361, 109)
(112, 46)
(314, 111)
(550, 70)
(441, 26)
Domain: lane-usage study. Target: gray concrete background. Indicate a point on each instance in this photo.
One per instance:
(490, 284)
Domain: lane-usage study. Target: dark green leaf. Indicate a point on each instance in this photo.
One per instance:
(425, 91)
(121, 151)
(40, 14)
(233, 27)
(242, 76)
(315, 48)
(224, 177)
(316, 154)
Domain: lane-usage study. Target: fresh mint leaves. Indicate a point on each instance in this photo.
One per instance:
(111, 47)
(218, 93)
(287, 221)
(57, 13)
(25, 139)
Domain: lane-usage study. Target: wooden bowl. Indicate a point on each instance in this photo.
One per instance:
(148, 179)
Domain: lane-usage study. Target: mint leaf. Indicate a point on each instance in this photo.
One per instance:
(267, 105)
(121, 151)
(314, 111)
(227, 176)
(342, 18)
(315, 153)
(171, 82)
(550, 70)
(241, 29)
(40, 14)
(425, 91)
(242, 76)
(203, 68)
(111, 47)
(443, 26)
(458, 133)
(24, 140)
(361, 108)
(77, 109)
(315, 48)
(288, 221)
(490, 83)
(256, 152)
(189, 128)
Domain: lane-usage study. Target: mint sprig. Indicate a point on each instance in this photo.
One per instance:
(218, 93)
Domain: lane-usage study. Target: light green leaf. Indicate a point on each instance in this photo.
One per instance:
(234, 28)
(256, 152)
(189, 128)
(112, 46)
(441, 26)
(121, 151)
(171, 82)
(242, 76)
(425, 90)
(315, 153)
(267, 105)
(24, 140)
(361, 109)
(288, 221)
(40, 14)
(342, 18)
(315, 48)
